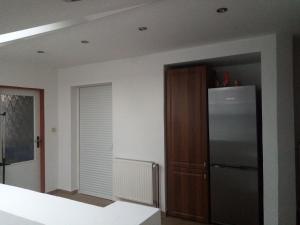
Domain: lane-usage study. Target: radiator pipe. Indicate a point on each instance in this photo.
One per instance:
(3, 147)
(155, 174)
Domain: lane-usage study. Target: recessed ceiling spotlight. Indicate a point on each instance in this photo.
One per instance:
(142, 28)
(85, 42)
(40, 51)
(71, 0)
(222, 10)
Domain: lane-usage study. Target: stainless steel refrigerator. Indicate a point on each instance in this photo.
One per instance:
(234, 156)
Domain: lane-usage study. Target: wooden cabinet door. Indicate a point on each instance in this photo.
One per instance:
(187, 143)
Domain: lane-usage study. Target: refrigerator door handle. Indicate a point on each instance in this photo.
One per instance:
(218, 166)
(234, 167)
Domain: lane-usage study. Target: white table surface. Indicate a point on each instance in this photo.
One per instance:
(51, 210)
(9, 219)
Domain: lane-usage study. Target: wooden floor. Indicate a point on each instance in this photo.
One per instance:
(104, 202)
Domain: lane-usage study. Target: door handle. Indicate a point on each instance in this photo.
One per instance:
(38, 141)
(217, 166)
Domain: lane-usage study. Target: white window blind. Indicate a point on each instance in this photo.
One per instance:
(95, 159)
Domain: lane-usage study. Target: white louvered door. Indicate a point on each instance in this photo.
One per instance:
(95, 136)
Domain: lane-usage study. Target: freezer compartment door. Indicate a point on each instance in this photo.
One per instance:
(234, 196)
(233, 126)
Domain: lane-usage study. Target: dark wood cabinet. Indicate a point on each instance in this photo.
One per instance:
(187, 142)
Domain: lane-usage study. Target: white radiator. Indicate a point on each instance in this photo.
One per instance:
(136, 181)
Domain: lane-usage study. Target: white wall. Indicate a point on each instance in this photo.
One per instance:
(297, 111)
(297, 88)
(33, 76)
(247, 74)
(74, 138)
(138, 111)
(286, 137)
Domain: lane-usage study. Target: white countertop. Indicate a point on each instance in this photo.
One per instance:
(51, 210)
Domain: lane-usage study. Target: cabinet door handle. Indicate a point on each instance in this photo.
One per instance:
(204, 176)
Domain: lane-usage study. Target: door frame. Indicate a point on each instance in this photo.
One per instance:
(42, 130)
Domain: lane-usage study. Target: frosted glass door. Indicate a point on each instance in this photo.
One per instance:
(19, 129)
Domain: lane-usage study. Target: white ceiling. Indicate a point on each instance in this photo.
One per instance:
(172, 24)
